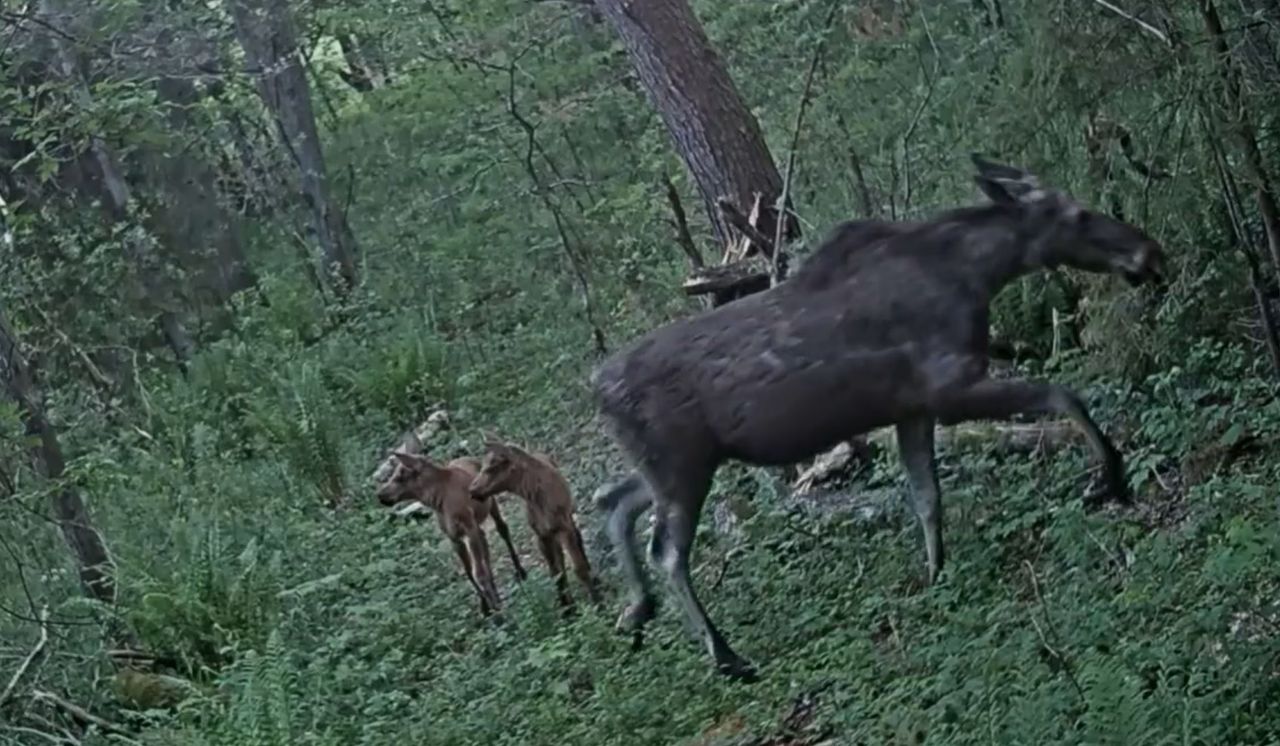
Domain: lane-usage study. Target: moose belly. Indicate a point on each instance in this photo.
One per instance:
(805, 409)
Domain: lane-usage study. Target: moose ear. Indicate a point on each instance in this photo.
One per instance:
(411, 443)
(995, 191)
(1000, 171)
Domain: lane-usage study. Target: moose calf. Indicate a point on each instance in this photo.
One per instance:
(548, 504)
(444, 489)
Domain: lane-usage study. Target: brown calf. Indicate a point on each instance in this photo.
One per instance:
(548, 504)
(444, 489)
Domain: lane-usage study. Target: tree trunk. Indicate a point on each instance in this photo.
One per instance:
(82, 538)
(113, 192)
(712, 129)
(265, 29)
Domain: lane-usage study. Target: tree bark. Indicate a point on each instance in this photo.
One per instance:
(713, 130)
(90, 553)
(266, 32)
(114, 193)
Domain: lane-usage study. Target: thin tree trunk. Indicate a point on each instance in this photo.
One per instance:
(1245, 133)
(90, 553)
(266, 32)
(114, 192)
(712, 129)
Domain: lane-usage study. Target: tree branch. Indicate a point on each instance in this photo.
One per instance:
(32, 658)
(1141, 23)
(683, 236)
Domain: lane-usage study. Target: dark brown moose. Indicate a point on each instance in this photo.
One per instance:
(548, 504)
(444, 488)
(886, 324)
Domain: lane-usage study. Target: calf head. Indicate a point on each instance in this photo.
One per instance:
(411, 477)
(496, 470)
(1065, 233)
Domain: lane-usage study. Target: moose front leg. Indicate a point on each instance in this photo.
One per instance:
(990, 399)
(915, 447)
(676, 512)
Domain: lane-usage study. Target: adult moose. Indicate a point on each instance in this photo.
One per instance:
(886, 324)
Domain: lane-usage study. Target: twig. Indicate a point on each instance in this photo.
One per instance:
(32, 658)
(683, 236)
(1141, 23)
(1044, 640)
(781, 212)
(51, 738)
(80, 714)
(531, 145)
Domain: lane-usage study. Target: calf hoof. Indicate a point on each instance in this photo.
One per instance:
(738, 669)
(636, 616)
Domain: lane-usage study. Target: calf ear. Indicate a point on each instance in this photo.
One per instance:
(409, 460)
(411, 443)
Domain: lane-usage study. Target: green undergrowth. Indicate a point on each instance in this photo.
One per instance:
(1153, 624)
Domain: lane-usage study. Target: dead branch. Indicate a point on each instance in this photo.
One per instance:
(1134, 19)
(745, 226)
(81, 715)
(683, 236)
(36, 654)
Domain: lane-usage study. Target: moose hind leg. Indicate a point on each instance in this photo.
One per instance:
(576, 548)
(623, 502)
(915, 446)
(552, 553)
(990, 399)
(480, 560)
(678, 508)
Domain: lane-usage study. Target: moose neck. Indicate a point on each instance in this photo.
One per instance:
(997, 244)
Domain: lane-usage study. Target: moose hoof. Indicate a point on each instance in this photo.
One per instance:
(738, 669)
(1107, 490)
(635, 616)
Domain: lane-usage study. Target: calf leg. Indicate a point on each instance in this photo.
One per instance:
(464, 556)
(577, 551)
(505, 533)
(990, 399)
(480, 560)
(622, 503)
(552, 553)
(915, 446)
(678, 504)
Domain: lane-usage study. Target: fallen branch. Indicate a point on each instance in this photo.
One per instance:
(1009, 437)
(81, 715)
(32, 658)
(746, 274)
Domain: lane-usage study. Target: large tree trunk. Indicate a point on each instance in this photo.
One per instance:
(265, 29)
(82, 538)
(713, 131)
(114, 194)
